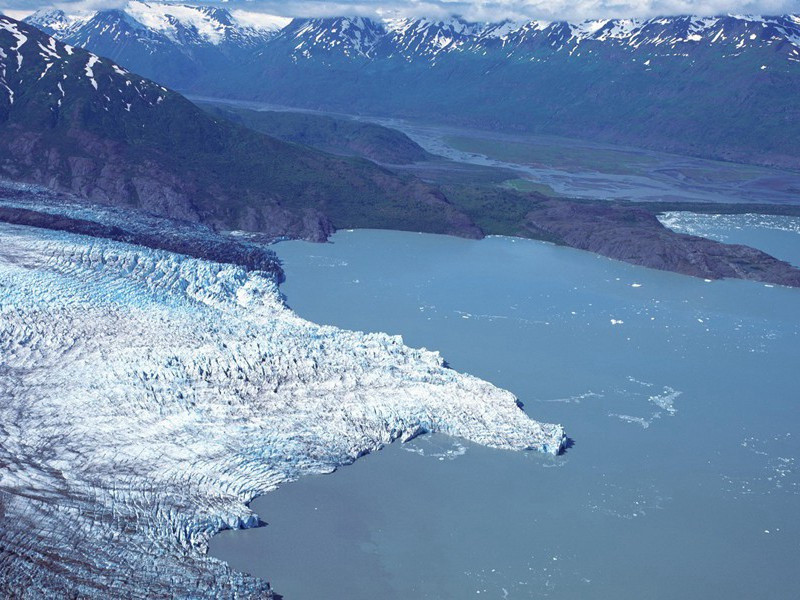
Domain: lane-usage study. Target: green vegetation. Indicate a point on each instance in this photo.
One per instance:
(526, 185)
(496, 211)
(560, 154)
(332, 134)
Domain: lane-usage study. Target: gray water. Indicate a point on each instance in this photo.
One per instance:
(681, 396)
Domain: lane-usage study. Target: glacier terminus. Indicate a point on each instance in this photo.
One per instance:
(149, 396)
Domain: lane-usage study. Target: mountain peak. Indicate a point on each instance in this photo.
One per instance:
(52, 21)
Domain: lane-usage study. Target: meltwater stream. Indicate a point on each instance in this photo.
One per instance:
(682, 397)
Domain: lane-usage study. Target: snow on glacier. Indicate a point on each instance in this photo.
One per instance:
(148, 396)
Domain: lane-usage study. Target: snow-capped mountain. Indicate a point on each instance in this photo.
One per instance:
(171, 42)
(185, 25)
(429, 38)
(45, 79)
(188, 26)
(722, 87)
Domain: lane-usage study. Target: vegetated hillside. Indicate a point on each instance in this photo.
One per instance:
(721, 87)
(331, 134)
(76, 122)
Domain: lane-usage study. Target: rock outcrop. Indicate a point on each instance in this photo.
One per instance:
(635, 235)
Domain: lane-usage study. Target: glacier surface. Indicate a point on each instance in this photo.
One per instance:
(147, 397)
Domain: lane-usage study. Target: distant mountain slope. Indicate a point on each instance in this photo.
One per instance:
(75, 122)
(723, 87)
(176, 43)
(331, 134)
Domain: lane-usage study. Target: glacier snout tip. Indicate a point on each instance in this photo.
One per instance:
(555, 443)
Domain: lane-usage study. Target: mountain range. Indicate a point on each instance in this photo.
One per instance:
(721, 87)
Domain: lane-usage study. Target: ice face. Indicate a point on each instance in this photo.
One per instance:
(148, 396)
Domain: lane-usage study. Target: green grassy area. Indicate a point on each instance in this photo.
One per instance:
(496, 210)
(326, 132)
(526, 185)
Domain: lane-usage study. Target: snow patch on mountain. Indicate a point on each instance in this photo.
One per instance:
(259, 20)
(180, 24)
(164, 18)
(93, 60)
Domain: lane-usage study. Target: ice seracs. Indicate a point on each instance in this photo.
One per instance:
(148, 396)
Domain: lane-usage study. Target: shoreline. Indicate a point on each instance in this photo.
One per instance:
(631, 234)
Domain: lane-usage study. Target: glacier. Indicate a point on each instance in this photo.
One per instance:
(148, 396)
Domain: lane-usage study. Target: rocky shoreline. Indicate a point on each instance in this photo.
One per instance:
(635, 235)
(623, 232)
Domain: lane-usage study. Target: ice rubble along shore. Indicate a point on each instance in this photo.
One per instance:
(148, 396)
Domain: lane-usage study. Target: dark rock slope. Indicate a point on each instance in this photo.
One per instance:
(636, 236)
(338, 135)
(75, 122)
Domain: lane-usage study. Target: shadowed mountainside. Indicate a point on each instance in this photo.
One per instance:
(75, 122)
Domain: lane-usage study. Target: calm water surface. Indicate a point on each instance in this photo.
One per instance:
(682, 397)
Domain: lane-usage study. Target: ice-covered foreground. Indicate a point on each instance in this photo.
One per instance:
(146, 397)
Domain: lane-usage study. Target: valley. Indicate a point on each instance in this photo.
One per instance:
(515, 76)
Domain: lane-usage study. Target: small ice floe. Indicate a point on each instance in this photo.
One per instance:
(576, 399)
(644, 423)
(666, 400)
(436, 450)
(617, 321)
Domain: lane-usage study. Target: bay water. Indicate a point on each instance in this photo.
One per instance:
(681, 396)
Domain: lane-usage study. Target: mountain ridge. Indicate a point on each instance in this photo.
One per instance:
(715, 87)
(217, 25)
(78, 123)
